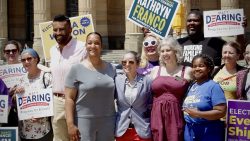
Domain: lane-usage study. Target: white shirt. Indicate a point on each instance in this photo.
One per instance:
(131, 91)
(61, 62)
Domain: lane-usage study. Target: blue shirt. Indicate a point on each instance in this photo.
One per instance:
(203, 97)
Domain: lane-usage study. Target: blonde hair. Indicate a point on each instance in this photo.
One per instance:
(174, 45)
(144, 58)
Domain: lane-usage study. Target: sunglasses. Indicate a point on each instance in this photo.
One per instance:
(149, 43)
(26, 59)
(129, 62)
(8, 51)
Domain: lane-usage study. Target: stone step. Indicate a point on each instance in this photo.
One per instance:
(113, 56)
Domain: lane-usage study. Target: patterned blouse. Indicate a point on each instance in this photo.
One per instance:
(34, 129)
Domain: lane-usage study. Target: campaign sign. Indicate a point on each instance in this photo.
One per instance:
(156, 15)
(12, 74)
(223, 22)
(35, 103)
(81, 26)
(238, 120)
(3, 109)
(8, 134)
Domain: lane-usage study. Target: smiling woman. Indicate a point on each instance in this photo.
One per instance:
(170, 82)
(11, 52)
(204, 104)
(89, 95)
(33, 80)
(133, 98)
(226, 74)
(149, 56)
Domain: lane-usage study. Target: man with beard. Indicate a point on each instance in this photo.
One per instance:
(195, 43)
(64, 54)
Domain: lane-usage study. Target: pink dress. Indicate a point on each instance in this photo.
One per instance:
(167, 120)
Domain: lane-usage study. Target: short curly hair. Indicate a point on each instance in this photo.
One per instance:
(208, 61)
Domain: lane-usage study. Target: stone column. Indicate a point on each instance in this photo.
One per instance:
(42, 13)
(229, 4)
(133, 35)
(3, 25)
(187, 8)
(87, 7)
(196, 4)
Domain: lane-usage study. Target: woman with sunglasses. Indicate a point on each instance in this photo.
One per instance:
(149, 56)
(37, 129)
(11, 53)
(170, 82)
(133, 98)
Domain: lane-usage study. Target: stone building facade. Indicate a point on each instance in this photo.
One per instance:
(19, 19)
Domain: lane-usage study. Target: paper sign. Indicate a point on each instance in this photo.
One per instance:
(238, 120)
(35, 103)
(81, 26)
(223, 22)
(8, 134)
(156, 15)
(12, 74)
(3, 109)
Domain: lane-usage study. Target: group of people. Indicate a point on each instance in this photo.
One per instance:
(165, 94)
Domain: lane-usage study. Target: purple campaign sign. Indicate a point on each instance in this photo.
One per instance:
(238, 120)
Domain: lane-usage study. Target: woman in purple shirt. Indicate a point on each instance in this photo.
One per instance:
(3, 88)
(11, 53)
(150, 56)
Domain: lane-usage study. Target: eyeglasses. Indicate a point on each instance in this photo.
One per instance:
(149, 43)
(26, 59)
(129, 62)
(7, 51)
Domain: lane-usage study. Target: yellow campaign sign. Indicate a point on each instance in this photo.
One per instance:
(81, 26)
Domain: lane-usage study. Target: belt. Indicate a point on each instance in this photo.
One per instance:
(59, 95)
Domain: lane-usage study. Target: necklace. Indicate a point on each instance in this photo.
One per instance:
(34, 76)
(98, 69)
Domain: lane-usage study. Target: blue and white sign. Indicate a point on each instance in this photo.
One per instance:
(3, 109)
(12, 74)
(35, 103)
(223, 22)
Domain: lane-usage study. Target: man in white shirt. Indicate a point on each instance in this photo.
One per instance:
(64, 54)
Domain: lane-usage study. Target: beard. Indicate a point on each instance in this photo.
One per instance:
(62, 39)
(195, 31)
